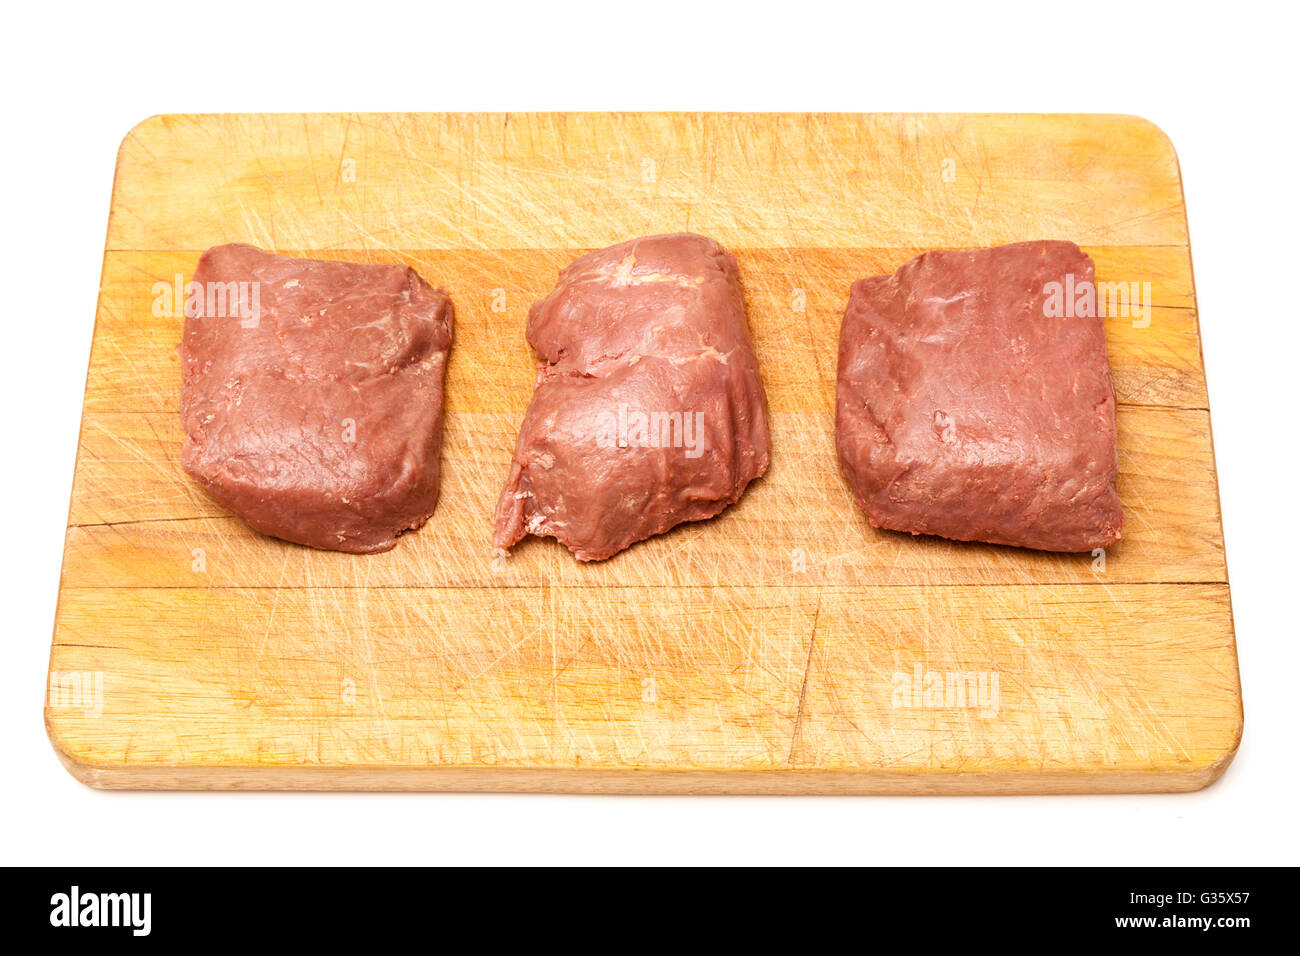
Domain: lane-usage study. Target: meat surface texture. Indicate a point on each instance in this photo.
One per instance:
(969, 406)
(648, 409)
(313, 409)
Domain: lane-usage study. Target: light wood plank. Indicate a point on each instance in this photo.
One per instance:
(796, 300)
(1137, 682)
(547, 181)
(137, 521)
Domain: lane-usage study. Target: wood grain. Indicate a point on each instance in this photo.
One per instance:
(769, 650)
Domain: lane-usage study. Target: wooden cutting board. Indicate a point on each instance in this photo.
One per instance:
(784, 647)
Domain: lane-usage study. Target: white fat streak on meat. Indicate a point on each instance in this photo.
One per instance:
(621, 274)
(707, 352)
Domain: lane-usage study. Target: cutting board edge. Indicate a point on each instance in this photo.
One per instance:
(1194, 775)
(632, 782)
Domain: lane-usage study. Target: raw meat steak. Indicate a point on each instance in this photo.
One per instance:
(968, 408)
(648, 410)
(313, 410)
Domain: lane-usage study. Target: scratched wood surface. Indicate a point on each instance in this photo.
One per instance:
(783, 647)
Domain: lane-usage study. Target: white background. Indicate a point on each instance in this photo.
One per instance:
(1220, 80)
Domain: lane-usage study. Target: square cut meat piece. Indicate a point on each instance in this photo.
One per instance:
(973, 403)
(312, 397)
(648, 409)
